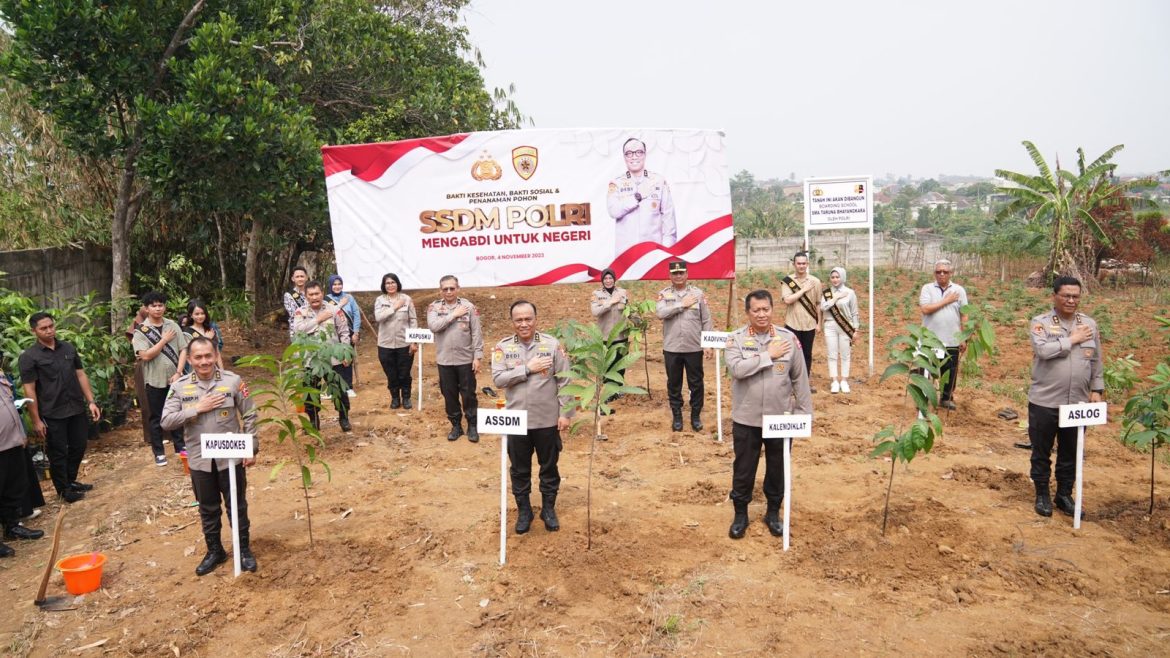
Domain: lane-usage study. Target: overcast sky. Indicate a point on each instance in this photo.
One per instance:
(839, 87)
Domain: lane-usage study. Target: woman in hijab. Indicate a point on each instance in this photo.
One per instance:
(607, 304)
(394, 313)
(334, 285)
(841, 325)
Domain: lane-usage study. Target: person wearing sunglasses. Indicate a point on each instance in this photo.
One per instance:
(640, 203)
(458, 352)
(942, 305)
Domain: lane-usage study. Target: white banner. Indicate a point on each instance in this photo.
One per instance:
(794, 426)
(414, 335)
(1083, 414)
(226, 446)
(501, 421)
(531, 207)
(716, 340)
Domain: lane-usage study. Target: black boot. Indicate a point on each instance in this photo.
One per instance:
(1064, 500)
(456, 430)
(548, 512)
(6, 550)
(696, 420)
(406, 399)
(739, 523)
(215, 556)
(395, 400)
(676, 423)
(772, 520)
(1043, 501)
(17, 531)
(472, 430)
(247, 560)
(524, 514)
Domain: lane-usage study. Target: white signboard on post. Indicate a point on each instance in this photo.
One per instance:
(1080, 416)
(787, 427)
(502, 422)
(716, 340)
(838, 203)
(420, 336)
(230, 447)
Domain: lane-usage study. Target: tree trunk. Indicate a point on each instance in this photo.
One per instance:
(219, 252)
(124, 211)
(251, 262)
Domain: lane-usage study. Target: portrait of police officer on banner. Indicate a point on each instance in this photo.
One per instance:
(640, 203)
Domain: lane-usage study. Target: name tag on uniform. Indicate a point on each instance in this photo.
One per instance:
(787, 426)
(1083, 414)
(226, 446)
(716, 340)
(501, 421)
(420, 336)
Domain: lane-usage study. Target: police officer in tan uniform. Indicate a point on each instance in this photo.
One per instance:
(607, 305)
(458, 351)
(640, 203)
(525, 365)
(768, 376)
(213, 401)
(324, 318)
(685, 315)
(1066, 369)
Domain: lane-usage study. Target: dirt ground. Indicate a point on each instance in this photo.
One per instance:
(406, 554)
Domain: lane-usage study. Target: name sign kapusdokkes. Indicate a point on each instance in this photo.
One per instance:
(226, 446)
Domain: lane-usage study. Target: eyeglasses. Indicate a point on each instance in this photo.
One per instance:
(450, 289)
(942, 271)
(635, 154)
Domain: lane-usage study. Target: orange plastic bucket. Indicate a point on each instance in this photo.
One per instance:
(83, 573)
(183, 458)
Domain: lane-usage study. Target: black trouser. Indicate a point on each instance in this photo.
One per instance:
(156, 398)
(396, 362)
(65, 447)
(339, 394)
(623, 349)
(456, 383)
(950, 365)
(747, 442)
(546, 442)
(13, 485)
(211, 487)
(1043, 430)
(676, 362)
(806, 339)
(33, 497)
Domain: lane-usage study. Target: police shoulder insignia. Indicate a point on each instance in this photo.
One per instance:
(244, 389)
(497, 355)
(1038, 329)
(612, 187)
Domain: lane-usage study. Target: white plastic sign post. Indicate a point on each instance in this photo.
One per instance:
(716, 340)
(230, 447)
(1080, 416)
(787, 427)
(420, 336)
(502, 422)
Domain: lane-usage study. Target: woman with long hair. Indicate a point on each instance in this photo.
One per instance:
(294, 298)
(199, 323)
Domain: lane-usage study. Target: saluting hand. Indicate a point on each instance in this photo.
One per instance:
(1080, 334)
(778, 348)
(539, 363)
(169, 335)
(209, 402)
(460, 310)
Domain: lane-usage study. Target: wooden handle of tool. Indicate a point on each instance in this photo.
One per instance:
(52, 556)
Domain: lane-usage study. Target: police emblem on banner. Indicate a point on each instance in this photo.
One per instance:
(485, 168)
(524, 160)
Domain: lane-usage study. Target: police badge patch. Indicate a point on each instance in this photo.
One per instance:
(524, 161)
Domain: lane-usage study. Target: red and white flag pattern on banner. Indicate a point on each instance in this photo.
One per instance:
(531, 207)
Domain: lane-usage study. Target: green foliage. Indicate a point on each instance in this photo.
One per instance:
(595, 365)
(978, 333)
(763, 211)
(281, 397)
(637, 316)
(1067, 204)
(1147, 418)
(108, 360)
(913, 353)
(1121, 375)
